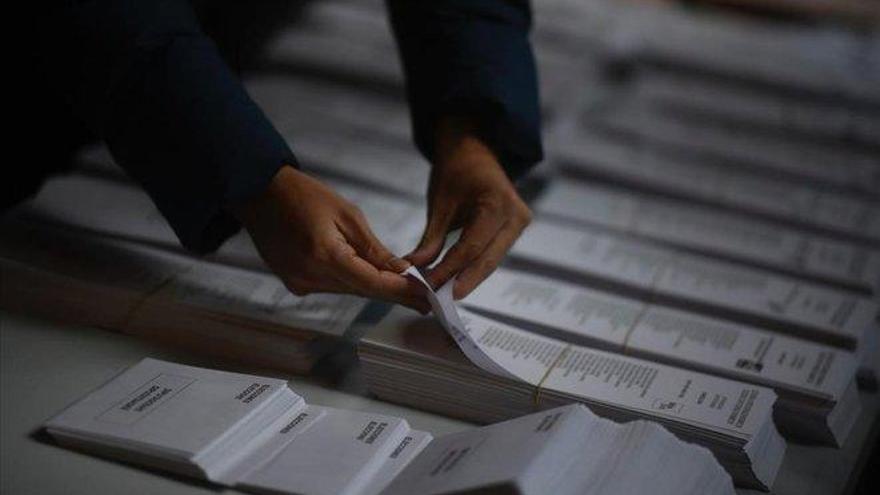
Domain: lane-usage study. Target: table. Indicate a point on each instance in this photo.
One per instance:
(44, 366)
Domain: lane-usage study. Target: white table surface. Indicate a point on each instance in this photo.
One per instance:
(44, 366)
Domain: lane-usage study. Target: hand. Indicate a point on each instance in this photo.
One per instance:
(468, 190)
(316, 241)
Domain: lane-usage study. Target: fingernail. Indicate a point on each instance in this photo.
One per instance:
(398, 264)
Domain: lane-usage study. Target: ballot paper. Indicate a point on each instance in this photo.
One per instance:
(733, 236)
(407, 359)
(154, 293)
(642, 166)
(698, 283)
(122, 210)
(828, 61)
(255, 434)
(342, 39)
(803, 159)
(287, 99)
(443, 306)
(817, 395)
(564, 451)
(750, 106)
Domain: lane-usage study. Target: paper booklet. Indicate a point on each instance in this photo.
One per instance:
(257, 435)
(176, 299)
(123, 210)
(818, 400)
(698, 283)
(644, 166)
(750, 148)
(728, 235)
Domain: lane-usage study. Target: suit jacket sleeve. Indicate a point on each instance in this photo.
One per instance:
(472, 58)
(145, 78)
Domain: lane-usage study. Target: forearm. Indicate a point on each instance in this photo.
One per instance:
(471, 58)
(145, 79)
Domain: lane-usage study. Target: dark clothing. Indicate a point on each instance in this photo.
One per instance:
(144, 78)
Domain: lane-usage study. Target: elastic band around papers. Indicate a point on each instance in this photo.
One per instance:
(646, 304)
(540, 385)
(145, 298)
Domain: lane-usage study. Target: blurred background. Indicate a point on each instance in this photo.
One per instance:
(787, 90)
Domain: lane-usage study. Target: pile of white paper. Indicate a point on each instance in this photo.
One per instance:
(202, 306)
(641, 166)
(410, 360)
(772, 111)
(747, 147)
(698, 283)
(726, 235)
(818, 400)
(123, 210)
(256, 434)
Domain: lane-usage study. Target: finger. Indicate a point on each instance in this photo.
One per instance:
(475, 238)
(359, 235)
(432, 242)
(364, 279)
(488, 261)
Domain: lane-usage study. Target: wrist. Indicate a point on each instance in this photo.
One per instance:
(457, 142)
(249, 210)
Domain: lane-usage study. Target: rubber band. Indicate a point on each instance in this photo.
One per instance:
(540, 386)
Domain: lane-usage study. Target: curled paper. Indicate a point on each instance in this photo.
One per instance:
(443, 306)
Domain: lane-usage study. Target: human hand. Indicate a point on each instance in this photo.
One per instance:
(469, 190)
(316, 241)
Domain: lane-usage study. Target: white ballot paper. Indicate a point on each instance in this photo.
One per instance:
(803, 160)
(694, 177)
(122, 210)
(443, 305)
(814, 381)
(682, 400)
(733, 236)
(256, 434)
(747, 105)
(408, 359)
(699, 283)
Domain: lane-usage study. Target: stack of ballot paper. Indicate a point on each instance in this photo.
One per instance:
(727, 235)
(410, 360)
(641, 166)
(728, 101)
(804, 58)
(256, 434)
(807, 58)
(295, 102)
(124, 211)
(693, 282)
(169, 297)
(339, 40)
(818, 400)
(742, 146)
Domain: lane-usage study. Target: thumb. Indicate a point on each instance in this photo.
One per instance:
(370, 248)
(434, 237)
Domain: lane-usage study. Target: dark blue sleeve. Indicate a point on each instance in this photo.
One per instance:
(472, 58)
(145, 78)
